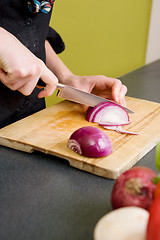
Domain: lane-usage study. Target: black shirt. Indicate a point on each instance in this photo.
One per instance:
(32, 30)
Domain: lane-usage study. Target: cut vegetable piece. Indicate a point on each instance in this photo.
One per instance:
(108, 113)
(128, 223)
(119, 130)
(91, 142)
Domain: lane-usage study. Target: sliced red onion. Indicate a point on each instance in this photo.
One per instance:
(90, 142)
(108, 114)
(119, 130)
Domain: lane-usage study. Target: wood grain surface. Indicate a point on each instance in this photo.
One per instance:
(49, 130)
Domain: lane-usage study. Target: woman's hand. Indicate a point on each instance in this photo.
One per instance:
(110, 88)
(20, 69)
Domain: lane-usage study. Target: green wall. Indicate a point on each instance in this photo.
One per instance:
(106, 37)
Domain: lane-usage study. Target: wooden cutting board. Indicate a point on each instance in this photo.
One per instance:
(49, 130)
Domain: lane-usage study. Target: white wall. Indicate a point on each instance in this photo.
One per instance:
(153, 46)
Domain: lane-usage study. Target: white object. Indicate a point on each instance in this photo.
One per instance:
(119, 130)
(127, 223)
(153, 45)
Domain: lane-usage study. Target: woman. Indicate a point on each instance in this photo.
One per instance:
(28, 58)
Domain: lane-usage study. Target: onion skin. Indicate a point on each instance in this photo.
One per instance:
(134, 187)
(91, 111)
(90, 142)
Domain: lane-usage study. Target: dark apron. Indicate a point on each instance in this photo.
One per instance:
(32, 30)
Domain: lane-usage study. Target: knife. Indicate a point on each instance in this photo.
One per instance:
(79, 96)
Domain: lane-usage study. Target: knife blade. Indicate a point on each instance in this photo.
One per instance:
(79, 96)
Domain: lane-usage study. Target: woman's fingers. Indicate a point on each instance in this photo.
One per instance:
(51, 82)
(116, 87)
(29, 82)
(122, 94)
(118, 92)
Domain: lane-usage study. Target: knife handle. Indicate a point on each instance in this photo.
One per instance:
(60, 86)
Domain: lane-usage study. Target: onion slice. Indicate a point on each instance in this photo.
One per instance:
(90, 142)
(119, 130)
(108, 114)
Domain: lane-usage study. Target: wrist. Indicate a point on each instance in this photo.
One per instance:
(66, 78)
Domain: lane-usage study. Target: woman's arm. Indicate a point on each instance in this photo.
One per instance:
(110, 88)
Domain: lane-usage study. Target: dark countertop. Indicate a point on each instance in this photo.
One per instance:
(43, 198)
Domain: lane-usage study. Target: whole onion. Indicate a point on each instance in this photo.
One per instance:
(134, 187)
(90, 141)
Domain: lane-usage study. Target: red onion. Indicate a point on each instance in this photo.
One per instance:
(108, 114)
(134, 187)
(90, 141)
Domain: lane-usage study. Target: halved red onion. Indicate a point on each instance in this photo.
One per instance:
(108, 114)
(90, 142)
